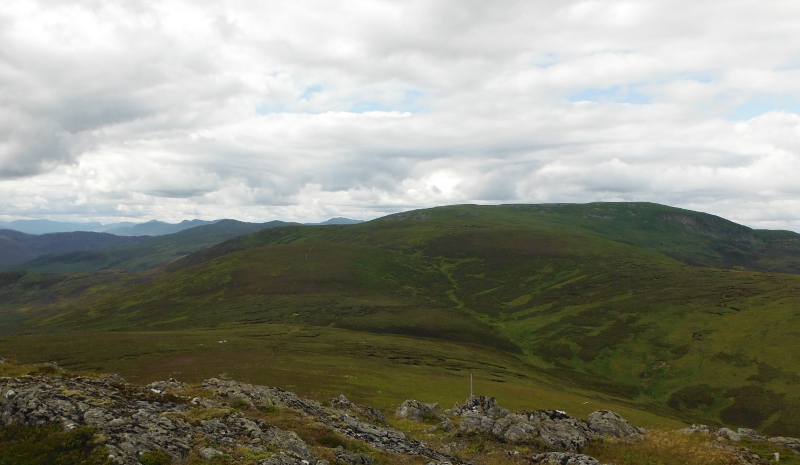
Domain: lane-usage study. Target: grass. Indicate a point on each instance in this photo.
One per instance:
(23, 445)
(562, 306)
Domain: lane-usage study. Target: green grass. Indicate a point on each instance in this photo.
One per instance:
(562, 306)
(23, 445)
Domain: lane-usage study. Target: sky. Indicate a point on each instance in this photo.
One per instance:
(304, 110)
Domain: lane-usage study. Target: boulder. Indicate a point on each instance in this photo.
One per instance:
(563, 458)
(369, 413)
(415, 410)
(608, 423)
(483, 405)
(476, 423)
(352, 459)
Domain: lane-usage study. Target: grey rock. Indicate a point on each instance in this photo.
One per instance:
(564, 458)
(283, 458)
(208, 453)
(481, 404)
(415, 410)
(608, 423)
(789, 443)
(476, 423)
(352, 459)
(729, 434)
(751, 434)
(369, 413)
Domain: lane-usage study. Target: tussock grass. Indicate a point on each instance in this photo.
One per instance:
(661, 448)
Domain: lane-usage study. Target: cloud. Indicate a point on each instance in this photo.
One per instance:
(308, 109)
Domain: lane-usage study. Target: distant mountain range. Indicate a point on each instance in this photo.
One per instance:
(127, 228)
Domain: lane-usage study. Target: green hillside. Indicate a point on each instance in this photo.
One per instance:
(144, 253)
(665, 314)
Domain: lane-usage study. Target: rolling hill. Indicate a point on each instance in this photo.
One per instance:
(666, 314)
(144, 252)
(17, 247)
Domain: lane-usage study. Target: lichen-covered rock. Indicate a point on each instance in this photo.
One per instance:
(476, 423)
(729, 434)
(369, 413)
(608, 423)
(415, 410)
(352, 459)
(789, 443)
(134, 420)
(482, 405)
(563, 458)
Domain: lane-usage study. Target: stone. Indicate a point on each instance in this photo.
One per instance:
(208, 453)
(415, 410)
(750, 434)
(369, 413)
(483, 405)
(728, 434)
(563, 458)
(352, 459)
(476, 423)
(789, 443)
(608, 423)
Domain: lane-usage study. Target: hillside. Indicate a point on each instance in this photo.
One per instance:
(669, 316)
(52, 416)
(145, 252)
(17, 247)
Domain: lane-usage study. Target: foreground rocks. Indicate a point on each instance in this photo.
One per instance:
(229, 420)
(554, 428)
(134, 420)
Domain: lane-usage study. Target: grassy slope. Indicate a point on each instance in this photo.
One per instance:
(145, 253)
(17, 247)
(402, 304)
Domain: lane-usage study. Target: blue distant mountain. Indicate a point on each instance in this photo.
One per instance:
(150, 228)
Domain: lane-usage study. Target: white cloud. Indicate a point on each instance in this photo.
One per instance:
(308, 109)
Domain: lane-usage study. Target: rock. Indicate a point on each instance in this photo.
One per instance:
(751, 434)
(369, 413)
(415, 410)
(481, 404)
(697, 429)
(564, 458)
(476, 423)
(728, 434)
(445, 426)
(789, 443)
(352, 459)
(608, 423)
(208, 453)
(283, 458)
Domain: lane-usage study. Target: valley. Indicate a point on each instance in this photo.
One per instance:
(667, 316)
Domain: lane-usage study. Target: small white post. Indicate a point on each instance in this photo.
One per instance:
(470, 386)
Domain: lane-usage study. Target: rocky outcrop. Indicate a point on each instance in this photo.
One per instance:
(343, 456)
(563, 458)
(134, 420)
(370, 414)
(553, 428)
(608, 423)
(415, 410)
(482, 405)
(384, 438)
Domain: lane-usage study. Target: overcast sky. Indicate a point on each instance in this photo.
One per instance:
(304, 110)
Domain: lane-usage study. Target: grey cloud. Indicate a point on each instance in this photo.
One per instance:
(261, 109)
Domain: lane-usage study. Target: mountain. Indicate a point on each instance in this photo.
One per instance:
(47, 226)
(669, 315)
(17, 247)
(138, 253)
(157, 228)
(337, 220)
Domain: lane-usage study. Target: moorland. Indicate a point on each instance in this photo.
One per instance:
(667, 316)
